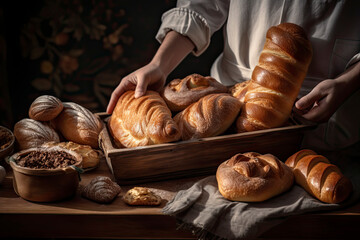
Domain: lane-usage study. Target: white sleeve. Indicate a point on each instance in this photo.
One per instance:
(196, 19)
(353, 60)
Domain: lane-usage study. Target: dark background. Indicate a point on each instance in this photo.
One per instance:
(79, 50)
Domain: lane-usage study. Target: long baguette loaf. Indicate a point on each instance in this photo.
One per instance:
(318, 177)
(276, 80)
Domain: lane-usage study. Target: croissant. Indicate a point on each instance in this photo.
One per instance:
(142, 121)
(101, 189)
(276, 80)
(252, 177)
(210, 116)
(318, 177)
(180, 93)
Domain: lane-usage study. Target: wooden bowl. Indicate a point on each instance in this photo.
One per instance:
(45, 185)
(8, 148)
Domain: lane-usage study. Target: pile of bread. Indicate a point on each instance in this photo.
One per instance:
(253, 177)
(66, 124)
(199, 107)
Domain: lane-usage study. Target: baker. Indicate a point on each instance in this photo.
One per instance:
(329, 92)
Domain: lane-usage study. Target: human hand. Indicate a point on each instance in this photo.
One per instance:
(322, 102)
(150, 76)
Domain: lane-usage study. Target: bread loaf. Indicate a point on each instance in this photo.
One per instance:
(252, 177)
(180, 93)
(30, 133)
(142, 121)
(276, 80)
(45, 108)
(79, 125)
(318, 177)
(210, 116)
(101, 189)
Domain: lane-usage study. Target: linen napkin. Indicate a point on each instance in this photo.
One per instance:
(204, 211)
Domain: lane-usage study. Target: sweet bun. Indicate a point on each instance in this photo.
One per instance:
(141, 196)
(210, 116)
(252, 177)
(30, 133)
(78, 124)
(319, 177)
(45, 108)
(180, 93)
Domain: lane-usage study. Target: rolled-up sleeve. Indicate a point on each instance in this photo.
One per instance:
(353, 60)
(196, 19)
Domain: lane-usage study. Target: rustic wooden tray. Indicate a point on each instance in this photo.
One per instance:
(194, 157)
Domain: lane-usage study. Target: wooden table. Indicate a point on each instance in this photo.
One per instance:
(81, 218)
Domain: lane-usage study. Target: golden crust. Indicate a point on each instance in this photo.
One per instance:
(141, 196)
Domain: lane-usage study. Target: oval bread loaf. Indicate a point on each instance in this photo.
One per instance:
(319, 177)
(45, 108)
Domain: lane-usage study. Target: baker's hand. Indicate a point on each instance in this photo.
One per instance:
(322, 102)
(148, 77)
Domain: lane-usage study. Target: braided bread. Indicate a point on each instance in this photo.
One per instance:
(252, 177)
(142, 121)
(276, 80)
(318, 177)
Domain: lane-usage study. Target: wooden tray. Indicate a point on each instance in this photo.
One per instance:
(194, 157)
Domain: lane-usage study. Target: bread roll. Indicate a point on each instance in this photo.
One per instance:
(208, 117)
(30, 133)
(141, 196)
(79, 125)
(101, 189)
(142, 121)
(276, 80)
(180, 93)
(318, 177)
(252, 177)
(45, 108)
(239, 90)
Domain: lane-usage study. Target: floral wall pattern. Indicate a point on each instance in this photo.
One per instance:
(78, 50)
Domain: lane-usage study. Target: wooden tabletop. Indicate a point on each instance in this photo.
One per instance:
(81, 218)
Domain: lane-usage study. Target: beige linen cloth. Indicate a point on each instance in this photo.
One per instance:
(204, 211)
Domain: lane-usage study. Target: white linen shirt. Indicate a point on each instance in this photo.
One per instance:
(333, 27)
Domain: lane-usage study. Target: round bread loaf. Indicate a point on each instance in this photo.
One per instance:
(45, 108)
(79, 125)
(31, 133)
(180, 93)
(252, 177)
(210, 116)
